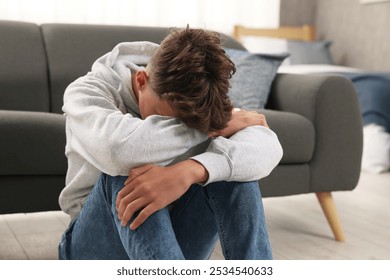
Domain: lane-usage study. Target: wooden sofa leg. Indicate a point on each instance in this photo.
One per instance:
(330, 211)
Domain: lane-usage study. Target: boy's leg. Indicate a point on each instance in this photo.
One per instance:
(232, 210)
(240, 218)
(97, 232)
(194, 224)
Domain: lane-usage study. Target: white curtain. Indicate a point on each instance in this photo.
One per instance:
(218, 15)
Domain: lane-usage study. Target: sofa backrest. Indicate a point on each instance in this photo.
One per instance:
(39, 62)
(72, 49)
(23, 70)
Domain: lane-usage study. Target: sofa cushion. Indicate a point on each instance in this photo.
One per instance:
(23, 69)
(296, 135)
(32, 143)
(70, 55)
(251, 84)
(286, 179)
(30, 193)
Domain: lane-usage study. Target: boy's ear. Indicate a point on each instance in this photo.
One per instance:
(141, 78)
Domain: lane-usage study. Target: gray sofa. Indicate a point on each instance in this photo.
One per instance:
(316, 117)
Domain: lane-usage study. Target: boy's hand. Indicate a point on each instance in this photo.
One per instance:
(150, 188)
(240, 120)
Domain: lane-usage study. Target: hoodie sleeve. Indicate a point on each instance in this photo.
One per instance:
(115, 142)
(248, 155)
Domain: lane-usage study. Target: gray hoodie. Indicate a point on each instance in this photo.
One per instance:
(105, 133)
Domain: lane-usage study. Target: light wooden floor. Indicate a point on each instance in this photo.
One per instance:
(297, 227)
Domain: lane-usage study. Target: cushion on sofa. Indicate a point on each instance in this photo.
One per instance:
(32, 143)
(286, 179)
(23, 70)
(296, 135)
(251, 84)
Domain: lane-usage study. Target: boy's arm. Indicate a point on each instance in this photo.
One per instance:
(246, 150)
(150, 188)
(115, 142)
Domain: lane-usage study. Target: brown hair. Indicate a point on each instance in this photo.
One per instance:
(191, 70)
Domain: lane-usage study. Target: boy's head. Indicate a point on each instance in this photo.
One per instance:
(190, 71)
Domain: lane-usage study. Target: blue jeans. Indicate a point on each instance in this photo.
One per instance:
(230, 211)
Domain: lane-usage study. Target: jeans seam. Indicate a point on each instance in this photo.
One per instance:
(108, 208)
(223, 240)
(173, 220)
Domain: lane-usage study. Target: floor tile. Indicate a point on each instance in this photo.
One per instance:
(42, 222)
(10, 249)
(217, 253)
(41, 246)
(5, 231)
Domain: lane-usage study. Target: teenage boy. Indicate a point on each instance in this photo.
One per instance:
(160, 165)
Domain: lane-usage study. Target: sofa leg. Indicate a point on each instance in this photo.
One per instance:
(330, 211)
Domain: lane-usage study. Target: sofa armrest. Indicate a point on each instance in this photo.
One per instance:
(330, 103)
(32, 143)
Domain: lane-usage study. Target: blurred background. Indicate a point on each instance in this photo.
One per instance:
(218, 15)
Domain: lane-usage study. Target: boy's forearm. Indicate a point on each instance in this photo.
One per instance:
(250, 154)
(195, 171)
(152, 187)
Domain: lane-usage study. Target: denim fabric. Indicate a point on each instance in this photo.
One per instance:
(230, 211)
(373, 92)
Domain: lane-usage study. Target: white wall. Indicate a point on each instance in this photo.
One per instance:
(218, 15)
(359, 32)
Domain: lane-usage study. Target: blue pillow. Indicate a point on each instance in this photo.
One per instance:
(251, 84)
(309, 52)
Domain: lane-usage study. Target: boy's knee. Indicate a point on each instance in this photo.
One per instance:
(238, 191)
